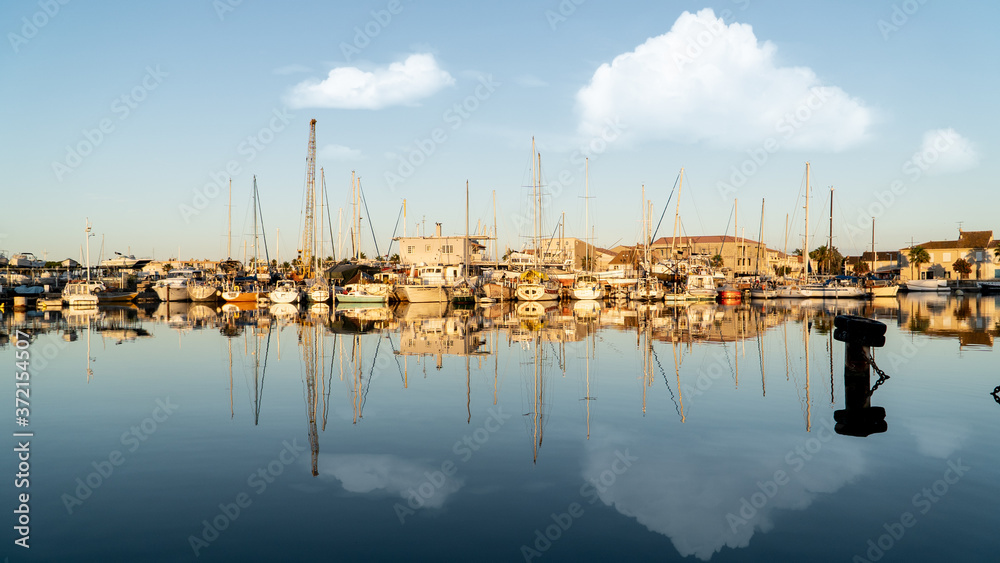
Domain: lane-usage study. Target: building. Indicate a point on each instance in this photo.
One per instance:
(884, 262)
(440, 249)
(976, 247)
(740, 256)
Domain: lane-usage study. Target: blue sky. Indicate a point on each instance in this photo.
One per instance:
(418, 97)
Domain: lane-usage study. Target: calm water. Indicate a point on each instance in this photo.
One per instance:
(576, 433)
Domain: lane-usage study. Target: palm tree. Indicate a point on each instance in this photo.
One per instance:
(917, 256)
(717, 261)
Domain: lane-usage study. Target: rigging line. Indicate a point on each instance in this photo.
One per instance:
(364, 398)
(656, 357)
(394, 228)
(263, 373)
(329, 220)
(395, 355)
(726, 232)
(329, 383)
(370, 226)
(850, 235)
(691, 191)
(262, 229)
(665, 207)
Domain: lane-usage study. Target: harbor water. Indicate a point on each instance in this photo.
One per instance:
(562, 432)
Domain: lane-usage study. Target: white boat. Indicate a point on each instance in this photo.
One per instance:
(201, 290)
(285, 292)
(356, 293)
(318, 293)
(881, 288)
(761, 292)
(533, 287)
(172, 289)
(702, 286)
(129, 262)
(828, 290)
(587, 286)
(648, 289)
(82, 294)
(926, 285)
(25, 260)
(413, 293)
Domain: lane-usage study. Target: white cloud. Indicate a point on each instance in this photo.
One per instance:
(938, 437)
(366, 473)
(291, 69)
(944, 151)
(400, 83)
(338, 152)
(708, 82)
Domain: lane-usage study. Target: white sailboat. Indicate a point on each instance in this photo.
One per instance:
(532, 284)
(585, 284)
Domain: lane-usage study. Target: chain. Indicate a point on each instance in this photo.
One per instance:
(996, 394)
(882, 376)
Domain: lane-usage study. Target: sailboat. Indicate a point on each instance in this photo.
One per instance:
(760, 289)
(585, 284)
(647, 288)
(829, 290)
(249, 291)
(531, 285)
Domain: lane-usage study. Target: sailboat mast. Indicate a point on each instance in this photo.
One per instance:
(586, 224)
(805, 245)
(255, 225)
(465, 243)
(534, 201)
(874, 256)
(319, 195)
(829, 244)
(229, 225)
(760, 235)
(677, 215)
(496, 256)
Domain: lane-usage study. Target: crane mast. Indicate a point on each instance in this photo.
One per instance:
(308, 230)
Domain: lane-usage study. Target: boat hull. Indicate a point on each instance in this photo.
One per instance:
(242, 296)
(168, 293)
(535, 292)
(421, 293)
(926, 285)
(203, 293)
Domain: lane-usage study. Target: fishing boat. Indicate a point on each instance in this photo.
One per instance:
(285, 292)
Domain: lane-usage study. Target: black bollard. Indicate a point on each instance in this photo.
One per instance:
(859, 335)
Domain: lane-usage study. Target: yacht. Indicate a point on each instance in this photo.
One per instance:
(174, 287)
(129, 262)
(25, 260)
(587, 286)
(82, 293)
(936, 284)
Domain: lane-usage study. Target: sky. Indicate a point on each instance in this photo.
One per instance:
(135, 116)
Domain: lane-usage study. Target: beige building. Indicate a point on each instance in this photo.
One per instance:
(440, 249)
(976, 247)
(740, 256)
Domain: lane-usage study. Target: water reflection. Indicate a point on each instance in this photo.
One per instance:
(672, 417)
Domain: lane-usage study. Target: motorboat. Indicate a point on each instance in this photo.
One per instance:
(935, 284)
(128, 262)
(356, 293)
(82, 293)
(25, 260)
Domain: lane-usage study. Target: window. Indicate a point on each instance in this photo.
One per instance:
(448, 249)
(410, 249)
(427, 248)
(946, 257)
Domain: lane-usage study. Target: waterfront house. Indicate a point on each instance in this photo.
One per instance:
(976, 247)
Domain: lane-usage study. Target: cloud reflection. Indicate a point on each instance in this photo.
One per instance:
(366, 473)
(688, 496)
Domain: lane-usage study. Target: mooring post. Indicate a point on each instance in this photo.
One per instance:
(859, 335)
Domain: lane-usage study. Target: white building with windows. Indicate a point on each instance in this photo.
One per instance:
(440, 249)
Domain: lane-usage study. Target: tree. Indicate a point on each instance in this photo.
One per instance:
(394, 258)
(782, 270)
(586, 263)
(717, 261)
(996, 252)
(963, 267)
(167, 267)
(917, 257)
(861, 268)
(362, 256)
(828, 259)
(285, 265)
